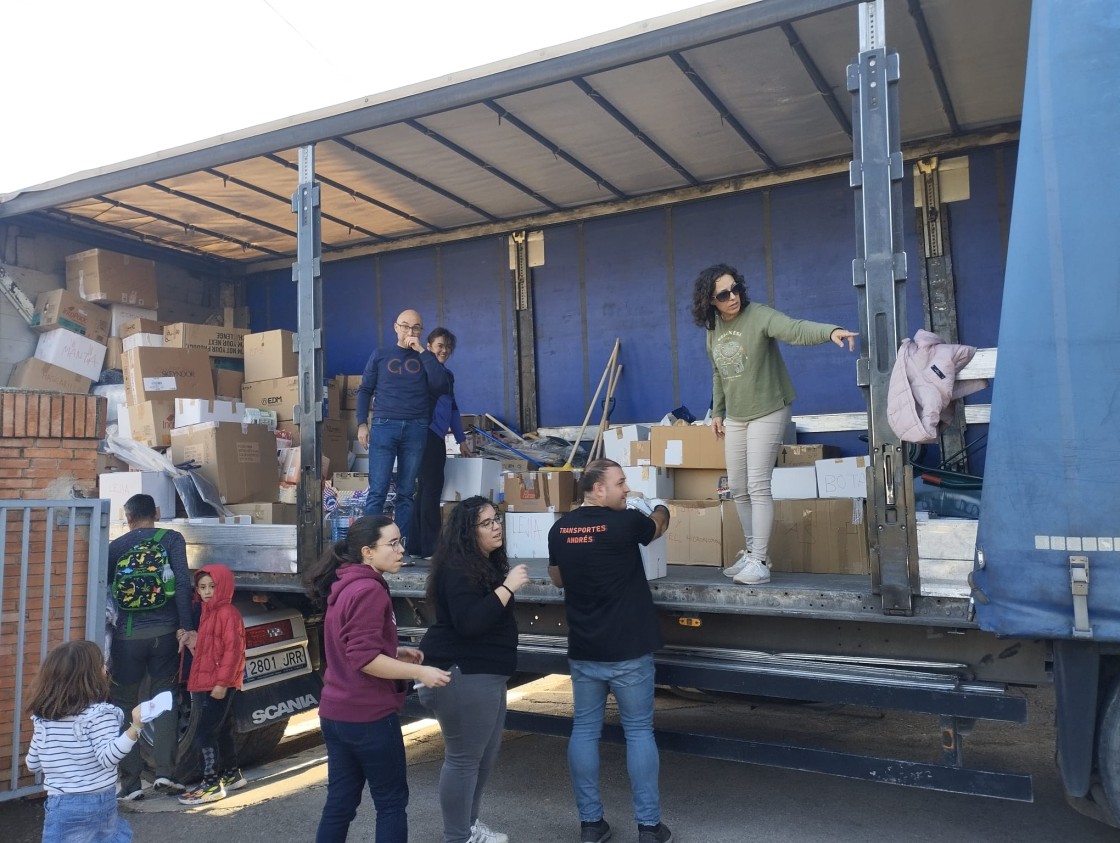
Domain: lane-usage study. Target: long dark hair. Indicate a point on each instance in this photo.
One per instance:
(703, 311)
(458, 545)
(364, 532)
(70, 680)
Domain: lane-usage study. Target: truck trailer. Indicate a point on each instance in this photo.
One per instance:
(545, 206)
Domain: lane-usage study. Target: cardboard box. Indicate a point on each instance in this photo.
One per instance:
(240, 460)
(71, 352)
(350, 419)
(348, 391)
(41, 376)
(655, 558)
(616, 441)
(101, 275)
(526, 534)
(228, 383)
(335, 446)
(516, 465)
(464, 477)
(213, 339)
(795, 455)
(269, 355)
(151, 422)
(820, 536)
(650, 481)
(685, 446)
(113, 354)
(155, 373)
(141, 340)
(350, 481)
(118, 486)
(291, 465)
(843, 478)
(281, 395)
(122, 314)
(700, 484)
(266, 512)
(794, 483)
(695, 535)
(107, 463)
(190, 411)
(335, 387)
(139, 325)
(57, 309)
(540, 491)
(640, 453)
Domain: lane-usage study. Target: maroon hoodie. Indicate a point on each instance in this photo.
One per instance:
(359, 627)
(219, 655)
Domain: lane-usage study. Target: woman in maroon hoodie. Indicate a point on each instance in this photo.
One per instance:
(365, 681)
(216, 670)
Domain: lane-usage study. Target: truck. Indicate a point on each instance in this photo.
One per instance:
(545, 206)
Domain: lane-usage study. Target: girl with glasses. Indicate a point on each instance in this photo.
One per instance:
(751, 398)
(365, 681)
(471, 592)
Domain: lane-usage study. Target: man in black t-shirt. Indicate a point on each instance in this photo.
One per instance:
(594, 555)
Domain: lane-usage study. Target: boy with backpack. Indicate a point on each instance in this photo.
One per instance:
(150, 586)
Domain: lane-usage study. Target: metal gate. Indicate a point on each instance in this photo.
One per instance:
(53, 566)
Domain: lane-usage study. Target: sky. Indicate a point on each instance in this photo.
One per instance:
(92, 84)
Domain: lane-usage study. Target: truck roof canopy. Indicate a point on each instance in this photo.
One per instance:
(684, 106)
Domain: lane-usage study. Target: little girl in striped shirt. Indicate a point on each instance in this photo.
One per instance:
(77, 745)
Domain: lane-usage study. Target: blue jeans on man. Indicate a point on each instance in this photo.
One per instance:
(403, 441)
(631, 682)
(360, 754)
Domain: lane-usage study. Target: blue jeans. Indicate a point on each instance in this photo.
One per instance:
(631, 682)
(402, 440)
(85, 818)
(359, 754)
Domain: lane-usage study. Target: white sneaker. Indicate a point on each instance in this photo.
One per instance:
(734, 568)
(754, 572)
(481, 833)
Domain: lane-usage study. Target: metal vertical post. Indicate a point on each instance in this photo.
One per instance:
(939, 291)
(525, 333)
(306, 273)
(879, 275)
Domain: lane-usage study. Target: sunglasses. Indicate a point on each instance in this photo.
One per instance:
(734, 290)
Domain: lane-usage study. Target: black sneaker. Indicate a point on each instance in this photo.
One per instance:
(596, 832)
(654, 833)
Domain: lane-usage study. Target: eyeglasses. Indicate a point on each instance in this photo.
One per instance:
(412, 329)
(490, 523)
(735, 289)
(396, 544)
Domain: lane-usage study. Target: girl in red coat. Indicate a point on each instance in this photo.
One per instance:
(219, 661)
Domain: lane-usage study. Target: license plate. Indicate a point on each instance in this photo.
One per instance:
(272, 665)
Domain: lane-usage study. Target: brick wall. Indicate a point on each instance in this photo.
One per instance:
(48, 450)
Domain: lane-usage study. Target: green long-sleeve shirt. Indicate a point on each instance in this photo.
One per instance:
(749, 377)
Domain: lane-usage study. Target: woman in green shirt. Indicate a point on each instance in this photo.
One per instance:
(751, 398)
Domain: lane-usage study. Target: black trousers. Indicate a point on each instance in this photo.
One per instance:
(215, 733)
(426, 518)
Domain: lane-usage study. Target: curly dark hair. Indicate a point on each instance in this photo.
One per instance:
(703, 311)
(458, 545)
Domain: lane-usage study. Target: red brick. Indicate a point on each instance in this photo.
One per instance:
(19, 414)
(13, 462)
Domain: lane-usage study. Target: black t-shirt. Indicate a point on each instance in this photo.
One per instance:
(610, 611)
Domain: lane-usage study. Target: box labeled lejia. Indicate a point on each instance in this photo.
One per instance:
(695, 533)
(240, 460)
(616, 441)
(464, 477)
(118, 486)
(58, 309)
(540, 491)
(71, 352)
(842, 478)
(166, 373)
(34, 373)
(101, 275)
(526, 534)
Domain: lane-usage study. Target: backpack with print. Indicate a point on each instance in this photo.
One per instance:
(142, 578)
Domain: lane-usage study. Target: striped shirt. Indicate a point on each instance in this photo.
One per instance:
(79, 754)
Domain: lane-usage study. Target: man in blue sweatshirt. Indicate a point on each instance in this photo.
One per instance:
(402, 381)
